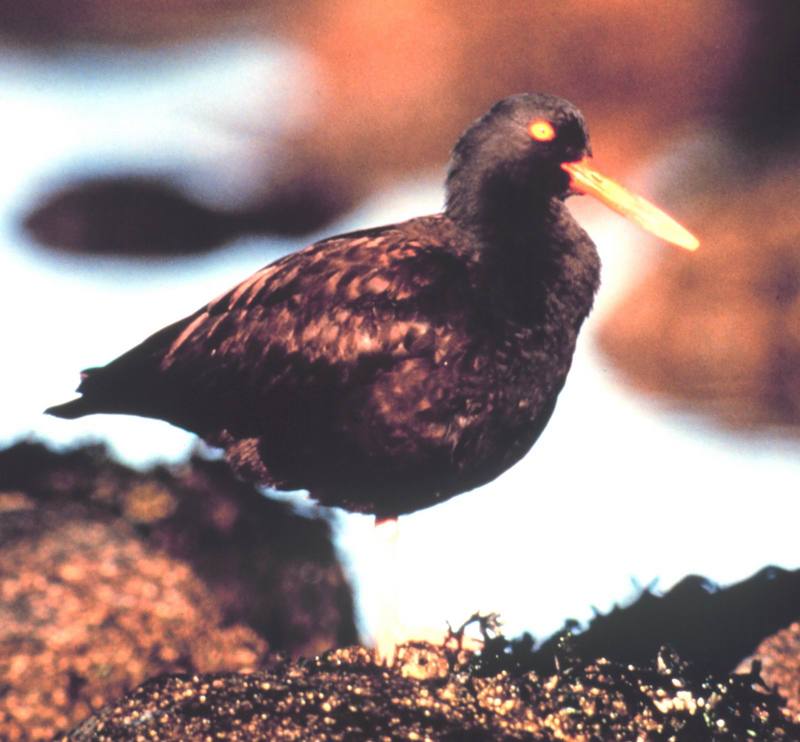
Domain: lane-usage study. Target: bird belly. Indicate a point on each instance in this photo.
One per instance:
(424, 428)
(429, 431)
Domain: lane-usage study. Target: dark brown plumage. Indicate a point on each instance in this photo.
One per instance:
(389, 369)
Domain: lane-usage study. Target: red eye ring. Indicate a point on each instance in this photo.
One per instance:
(541, 130)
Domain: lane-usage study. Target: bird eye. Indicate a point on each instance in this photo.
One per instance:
(541, 130)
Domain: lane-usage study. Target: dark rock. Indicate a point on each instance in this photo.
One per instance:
(127, 216)
(146, 216)
(711, 627)
(53, 24)
(431, 693)
(762, 106)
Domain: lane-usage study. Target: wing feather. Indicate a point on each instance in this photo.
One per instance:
(338, 302)
(291, 337)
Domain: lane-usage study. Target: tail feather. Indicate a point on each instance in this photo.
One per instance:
(85, 405)
(131, 384)
(72, 409)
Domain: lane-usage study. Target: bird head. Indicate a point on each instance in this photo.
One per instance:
(524, 152)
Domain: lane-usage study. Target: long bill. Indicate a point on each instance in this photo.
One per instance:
(586, 180)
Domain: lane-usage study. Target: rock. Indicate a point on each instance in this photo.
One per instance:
(779, 659)
(710, 626)
(110, 576)
(390, 92)
(127, 216)
(716, 332)
(344, 695)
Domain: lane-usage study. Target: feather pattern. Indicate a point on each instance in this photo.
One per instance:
(387, 369)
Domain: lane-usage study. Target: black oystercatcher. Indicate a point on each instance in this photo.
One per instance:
(389, 369)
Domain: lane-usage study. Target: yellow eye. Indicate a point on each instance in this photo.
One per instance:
(541, 130)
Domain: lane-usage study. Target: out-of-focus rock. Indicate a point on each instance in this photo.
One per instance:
(54, 23)
(128, 216)
(432, 694)
(400, 83)
(761, 106)
(135, 216)
(110, 576)
(717, 330)
(393, 85)
(87, 612)
(779, 656)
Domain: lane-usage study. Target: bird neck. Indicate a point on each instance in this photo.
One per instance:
(510, 230)
(502, 205)
(524, 268)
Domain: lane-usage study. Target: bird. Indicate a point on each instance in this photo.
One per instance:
(389, 369)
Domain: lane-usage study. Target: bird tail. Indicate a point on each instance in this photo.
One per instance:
(132, 384)
(91, 387)
(70, 410)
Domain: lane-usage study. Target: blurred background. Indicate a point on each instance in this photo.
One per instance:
(156, 153)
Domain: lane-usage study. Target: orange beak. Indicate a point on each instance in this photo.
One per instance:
(586, 180)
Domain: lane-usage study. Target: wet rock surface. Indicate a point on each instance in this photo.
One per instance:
(109, 577)
(433, 693)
